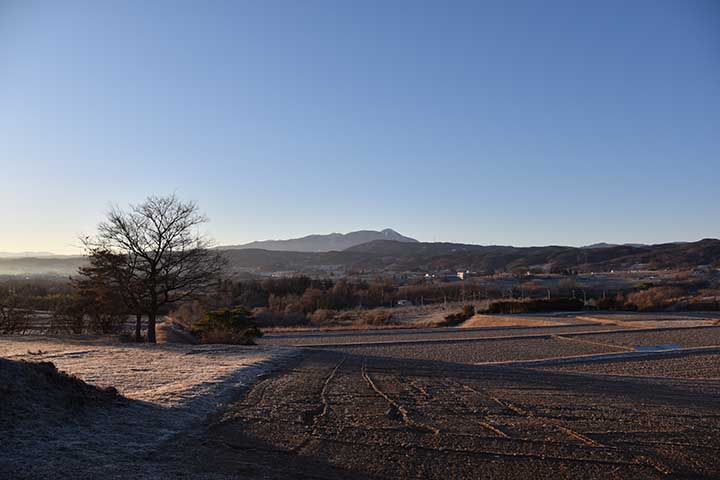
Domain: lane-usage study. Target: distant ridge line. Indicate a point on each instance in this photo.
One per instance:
(324, 243)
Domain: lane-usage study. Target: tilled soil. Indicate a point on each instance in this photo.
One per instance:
(423, 335)
(342, 414)
(696, 366)
(484, 351)
(684, 337)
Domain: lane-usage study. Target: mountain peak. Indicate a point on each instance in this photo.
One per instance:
(325, 243)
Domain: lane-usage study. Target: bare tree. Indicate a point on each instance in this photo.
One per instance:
(155, 254)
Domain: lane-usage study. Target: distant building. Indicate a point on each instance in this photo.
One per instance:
(465, 275)
(404, 303)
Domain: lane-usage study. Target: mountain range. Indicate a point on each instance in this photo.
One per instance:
(391, 256)
(27, 254)
(324, 243)
(387, 251)
(609, 245)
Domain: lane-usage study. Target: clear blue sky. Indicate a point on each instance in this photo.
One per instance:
(521, 122)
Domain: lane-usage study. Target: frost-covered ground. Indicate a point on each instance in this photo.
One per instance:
(171, 390)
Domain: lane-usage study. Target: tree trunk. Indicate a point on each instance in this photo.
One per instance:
(152, 314)
(151, 328)
(138, 327)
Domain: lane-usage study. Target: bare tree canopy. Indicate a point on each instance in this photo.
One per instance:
(155, 254)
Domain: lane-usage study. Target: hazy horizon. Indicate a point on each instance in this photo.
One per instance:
(78, 250)
(475, 122)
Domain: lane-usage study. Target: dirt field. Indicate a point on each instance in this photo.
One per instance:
(415, 406)
(427, 335)
(702, 366)
(398, 418)
(424, 403)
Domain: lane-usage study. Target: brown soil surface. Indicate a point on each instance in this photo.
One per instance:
(339, 414)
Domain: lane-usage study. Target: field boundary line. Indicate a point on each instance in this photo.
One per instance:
(414, 330)
(603, 357)
(491, 339)
(563, 337)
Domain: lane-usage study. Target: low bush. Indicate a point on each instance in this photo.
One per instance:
(655, 298)
(536, 306)
(127, 337)
(230, 326)
(323, 316)
(454, 319)
(611, 303)
(267, 318)
(376, 317)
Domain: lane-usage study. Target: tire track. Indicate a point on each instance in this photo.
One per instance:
(482, 423)
(323, 392)
(524, 413)
(404, 414)
(325, 401)
(643, 459)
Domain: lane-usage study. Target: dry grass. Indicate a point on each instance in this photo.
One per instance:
(512, 321)
(652, 320)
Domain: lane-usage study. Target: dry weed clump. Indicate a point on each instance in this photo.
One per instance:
(323, 316)
(265, 317)
(376, 317)
(655, 298)
(454, 319)
(227, 336)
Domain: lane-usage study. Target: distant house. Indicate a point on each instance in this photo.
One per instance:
(452, 278)
(465, 275)
(404, 303)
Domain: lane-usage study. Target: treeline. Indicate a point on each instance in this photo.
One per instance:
(305, 294)
(85, 305)
(20, 299)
